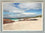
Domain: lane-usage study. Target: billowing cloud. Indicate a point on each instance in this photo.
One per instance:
(28, 13)
(14, 12)
(28, 6)
(9, 8)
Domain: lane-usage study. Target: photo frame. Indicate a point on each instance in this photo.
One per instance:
(14, 2)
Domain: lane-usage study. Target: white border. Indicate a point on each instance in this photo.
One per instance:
(22, 30)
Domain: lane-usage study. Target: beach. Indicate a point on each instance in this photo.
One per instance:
(36, 25)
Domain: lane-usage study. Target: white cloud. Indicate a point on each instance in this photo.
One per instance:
(8, 7)
(17, 11)
(28, 13)
(30, 5)
(11, 9)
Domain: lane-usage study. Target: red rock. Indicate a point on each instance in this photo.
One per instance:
(7, 21)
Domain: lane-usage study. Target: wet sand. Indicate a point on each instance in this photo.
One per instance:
(25, 25)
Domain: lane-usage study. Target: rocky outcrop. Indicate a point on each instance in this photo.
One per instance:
(7, 21)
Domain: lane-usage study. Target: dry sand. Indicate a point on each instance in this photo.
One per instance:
(25, 25)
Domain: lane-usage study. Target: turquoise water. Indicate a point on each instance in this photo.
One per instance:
(15, 19)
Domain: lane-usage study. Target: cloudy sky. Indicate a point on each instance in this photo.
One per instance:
(16, 10)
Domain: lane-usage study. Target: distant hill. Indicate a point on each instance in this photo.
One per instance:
(39, 16)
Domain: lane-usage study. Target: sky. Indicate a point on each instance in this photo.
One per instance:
(16, 10)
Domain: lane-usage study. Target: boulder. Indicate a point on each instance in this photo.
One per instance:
(7, 21)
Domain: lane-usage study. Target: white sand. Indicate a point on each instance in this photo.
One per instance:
(25, 25)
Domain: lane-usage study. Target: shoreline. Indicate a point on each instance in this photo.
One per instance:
(24, 25)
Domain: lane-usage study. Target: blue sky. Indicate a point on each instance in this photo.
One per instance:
(15, 10)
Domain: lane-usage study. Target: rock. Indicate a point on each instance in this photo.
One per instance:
(7, 21)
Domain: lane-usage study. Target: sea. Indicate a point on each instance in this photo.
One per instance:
(14, 19)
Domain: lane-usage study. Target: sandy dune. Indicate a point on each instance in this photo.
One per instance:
(24, 25)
